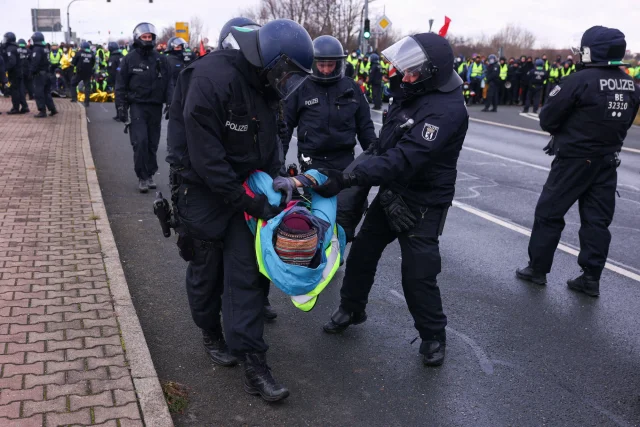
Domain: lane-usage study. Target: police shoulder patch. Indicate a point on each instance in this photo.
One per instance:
(555, 91)
(430, 132)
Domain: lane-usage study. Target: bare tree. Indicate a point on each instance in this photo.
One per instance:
(166, 34)
(197, 30)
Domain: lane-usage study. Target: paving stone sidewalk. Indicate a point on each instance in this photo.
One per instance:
(62, 354)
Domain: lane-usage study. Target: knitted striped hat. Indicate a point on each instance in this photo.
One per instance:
(296, 240)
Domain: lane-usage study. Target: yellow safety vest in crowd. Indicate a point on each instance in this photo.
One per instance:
(476, 70)
(461, 68)
(554, 73)
(546, 65)
(364, 68)
(564, 72)
(351, 60)
(503, 71)
(54, 58)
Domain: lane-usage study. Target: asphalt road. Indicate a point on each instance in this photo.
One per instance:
(517, 354)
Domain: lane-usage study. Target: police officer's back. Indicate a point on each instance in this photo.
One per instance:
(375, 80)
(536, 78)
(115, 55)
(39, 67)
(416, 170)
(84, 63)
(175, 61)
(329, 111)
(495, 82)
(588, 115)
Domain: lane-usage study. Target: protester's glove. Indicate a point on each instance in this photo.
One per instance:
(549, 149)
(259, 207)
(336, 182)
(123, 114)
(399, 216)
(285, 185)
(166, 111)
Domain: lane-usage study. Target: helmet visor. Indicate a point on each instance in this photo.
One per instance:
(285, 77)
(407, 56)
(144, 28)
(328, 69)
(230, 42)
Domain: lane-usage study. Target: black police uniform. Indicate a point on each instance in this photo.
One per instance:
(536, 78)
(188, 56)
(113, 65)
(175, 64)
(418, 164)
(588, 115)
(495, 82)
(328, 116)
(39, 68)
(375, 80)
(26, 86)
(142, 84)
(514, 79)
(13, 67)
(84, 61)
(221, 128)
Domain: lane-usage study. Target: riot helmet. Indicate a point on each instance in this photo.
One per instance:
(175, 44)
(282, 50)
(141, 29)
(328, 60)
(602, 47)
(22, 43)
(426, 62)
(37, 38)
(9, 37)
(113, 46)
(226, 39)
(85, 46)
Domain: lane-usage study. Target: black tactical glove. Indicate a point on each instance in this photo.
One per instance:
(373, 148)
(399, 216)
(123, 114)
(336, 182)
(166, 111)
(259, 207)
(549, 149)
(282, 130)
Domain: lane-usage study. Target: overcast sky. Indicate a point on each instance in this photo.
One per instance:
(555, 22)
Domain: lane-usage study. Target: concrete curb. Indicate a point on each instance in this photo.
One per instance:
(155, 412)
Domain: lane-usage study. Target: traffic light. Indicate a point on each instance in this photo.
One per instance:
(367, 29)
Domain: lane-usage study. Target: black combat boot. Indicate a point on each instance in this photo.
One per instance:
(143, 187)
(341, 319)
(587, 283)
(433, 352)
(268, 312)
(13, 111)
(151, 183)
(531, 275)
(217, 349)
(53, 112)
(259, 381)
(40, 114)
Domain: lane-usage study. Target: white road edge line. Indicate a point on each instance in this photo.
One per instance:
(497, 156)
(525, 231)
(537, 132)
(485, 363)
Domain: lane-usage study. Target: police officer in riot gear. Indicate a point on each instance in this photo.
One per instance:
(227, 41)
(494, 81)
(222, 127)
(416, 170)
(27, 80)
(13, 67)
(536, 78)
(84, 61)
(375, 80)
(588, 115)
(113, 64)
(175, 61)
(142, 85)
(39, 67)
(329, 111)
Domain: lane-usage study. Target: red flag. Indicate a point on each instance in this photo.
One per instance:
(445, 27)
(202, 52)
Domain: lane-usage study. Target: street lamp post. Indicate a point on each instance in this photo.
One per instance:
(68, 21)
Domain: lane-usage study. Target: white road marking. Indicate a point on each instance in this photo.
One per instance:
(537, 132)
(530, 116)
(485, 363)
(525, 231)
(497, 156)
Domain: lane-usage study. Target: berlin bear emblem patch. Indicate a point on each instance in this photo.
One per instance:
(430, 132)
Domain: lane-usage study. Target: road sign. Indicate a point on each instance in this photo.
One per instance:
(46, 20)
(383, 23)
(182, 30)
